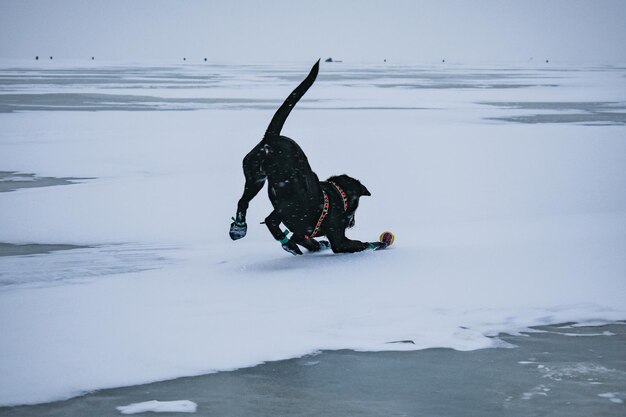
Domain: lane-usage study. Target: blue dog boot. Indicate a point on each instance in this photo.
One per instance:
(377, 245)
(292, 248)
(238, 229)
(324, 244)
(289, 245)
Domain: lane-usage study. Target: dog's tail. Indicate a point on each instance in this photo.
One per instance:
(283, 111)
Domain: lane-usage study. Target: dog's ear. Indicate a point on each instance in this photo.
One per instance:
(365, 191)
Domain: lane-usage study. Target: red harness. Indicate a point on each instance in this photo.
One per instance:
(343, 194)
(344, 197)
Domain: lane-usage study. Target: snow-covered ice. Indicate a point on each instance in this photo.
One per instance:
(500, 223)
(180, 406)
(614, 397)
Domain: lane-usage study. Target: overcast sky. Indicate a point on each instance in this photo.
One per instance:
(568, 31)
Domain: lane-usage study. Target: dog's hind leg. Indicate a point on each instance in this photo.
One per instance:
(251, 189)
(255, 179)
(238, 227)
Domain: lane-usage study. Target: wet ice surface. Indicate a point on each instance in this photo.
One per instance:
(547, 373)
(103, 102)
(12, 181)
(193, 87)
(44, 265)
(10, 249)
(594, 113)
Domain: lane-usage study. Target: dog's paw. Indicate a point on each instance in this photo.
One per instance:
(377, 245)
(292, 248)
(324, 244)
(238, 230)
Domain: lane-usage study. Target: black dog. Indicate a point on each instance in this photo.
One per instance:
(308, 207)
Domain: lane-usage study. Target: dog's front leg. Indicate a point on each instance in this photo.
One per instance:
(309, 243)
(341, 244)
(273, 224)
(346, 245)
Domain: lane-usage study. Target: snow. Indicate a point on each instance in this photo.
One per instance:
(499, 226)
(541, 390)
(605, 333)
(614, 397)
(182, 406)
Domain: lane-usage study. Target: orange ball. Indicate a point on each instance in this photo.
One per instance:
(387, 237)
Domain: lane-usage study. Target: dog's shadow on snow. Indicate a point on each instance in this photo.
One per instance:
(311, 262)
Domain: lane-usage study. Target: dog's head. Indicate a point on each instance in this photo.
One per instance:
(354, 191)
